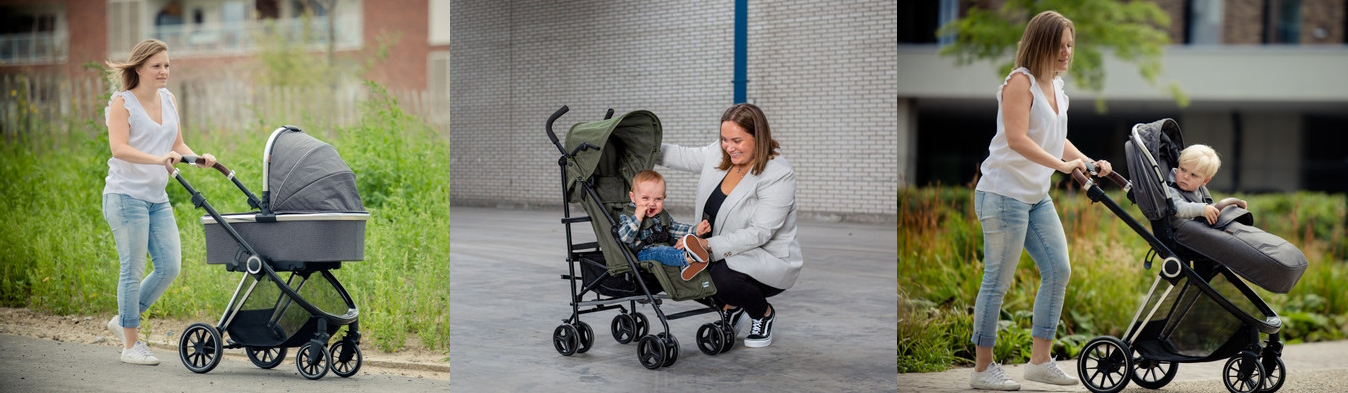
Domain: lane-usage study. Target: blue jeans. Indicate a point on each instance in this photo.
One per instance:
(141, 228)
(666, 255)
(1010, 226)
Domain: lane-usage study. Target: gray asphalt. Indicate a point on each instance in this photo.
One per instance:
(1314, 368)
(835, 332)
(42, 365)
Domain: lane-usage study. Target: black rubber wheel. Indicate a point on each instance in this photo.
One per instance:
(651, 352)
(200, 348)
(346, 358)
(566, 339)
(1104, 365)
(643, 324)
(671, 348)
(729, 337)
(1243, 373)
(266, 358)
(313, 360)
(1153, 374)
(1274, 372)
(586, 336)
(710, 338)
(624, 328)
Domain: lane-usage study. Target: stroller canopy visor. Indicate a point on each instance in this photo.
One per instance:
(617, 149)
(1150, 164)
(306, 175)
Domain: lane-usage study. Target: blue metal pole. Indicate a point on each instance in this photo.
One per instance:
(741, 49)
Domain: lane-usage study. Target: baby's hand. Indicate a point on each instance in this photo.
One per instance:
(703, 227)
(1210, 212)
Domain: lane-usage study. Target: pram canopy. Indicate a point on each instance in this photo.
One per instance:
(616, 149)
(306, 175)
(1152, 152)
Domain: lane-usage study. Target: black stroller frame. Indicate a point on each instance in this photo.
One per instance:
(261, 332)
(1159, 336)
(640, 287)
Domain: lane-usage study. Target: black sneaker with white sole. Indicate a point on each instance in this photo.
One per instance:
(760, 331)
(738, 319)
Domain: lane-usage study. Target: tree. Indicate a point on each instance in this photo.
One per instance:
(1132, 30)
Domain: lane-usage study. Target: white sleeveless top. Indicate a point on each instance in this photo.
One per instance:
(145, 182)
(1010, 174)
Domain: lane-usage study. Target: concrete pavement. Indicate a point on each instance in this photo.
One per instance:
(836, 331)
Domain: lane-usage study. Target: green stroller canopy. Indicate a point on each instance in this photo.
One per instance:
(617, 148)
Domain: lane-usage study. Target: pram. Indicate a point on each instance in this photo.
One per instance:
(1198, 309)
(310, 218)
(597, 165)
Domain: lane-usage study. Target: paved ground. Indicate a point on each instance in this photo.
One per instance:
(43, 365)
(836, 331)
(1314, 368)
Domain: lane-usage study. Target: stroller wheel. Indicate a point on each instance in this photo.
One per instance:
(671, 348)
(1152, 374)
(1104, 365)
(566, 339)
(729, 332)
(651, 352)
(710, 338)
(313, 360)
(1274, 372)
(346, 358)
(1243, 373)
(200, 348)
(266, 358)
(586, 336)
(643, 325)
(624, 328)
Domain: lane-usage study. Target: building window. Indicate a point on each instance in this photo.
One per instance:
(124, 26)
(1205, 22)
(918, 21)
(1284, 22)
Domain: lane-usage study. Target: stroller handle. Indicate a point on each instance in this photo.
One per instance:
(202, 161)
(1085, 181)
(553, 135)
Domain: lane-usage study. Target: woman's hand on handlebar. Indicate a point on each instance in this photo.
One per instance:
(210, 160)
(1103, 168)
(171, 158)
(1068, 166)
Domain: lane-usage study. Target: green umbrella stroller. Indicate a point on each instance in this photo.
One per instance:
(598, 161)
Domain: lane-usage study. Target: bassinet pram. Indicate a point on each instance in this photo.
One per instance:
(1198, 309)
(310, 220)
(598, 161)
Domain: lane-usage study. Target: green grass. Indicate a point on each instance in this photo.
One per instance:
(59, 256)
(940, 254)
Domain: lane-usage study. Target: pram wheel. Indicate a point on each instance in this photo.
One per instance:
(313, 360)
(1243, 373)
(346, 358)
(1153, 374)
(1274, 371)
(266, 358)
(586, 336)
(1105, 364)
(651, 352)
(566, 339)
(729, 332)
(200, 348)
(671, 348)
(624, 328)
(710, 338)
(643, 324)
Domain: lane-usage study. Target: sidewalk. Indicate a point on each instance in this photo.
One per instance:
(835, 332)
(1313, 367)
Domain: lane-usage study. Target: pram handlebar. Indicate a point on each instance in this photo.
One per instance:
(1086, 182)
(202, 161)
(553, 135)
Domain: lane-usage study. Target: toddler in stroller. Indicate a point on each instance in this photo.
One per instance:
(1188, 184)
(651, 233)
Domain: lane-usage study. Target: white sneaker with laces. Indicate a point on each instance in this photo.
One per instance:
(139, 354)
(1048, 373)
(117, 330)
(993, 378)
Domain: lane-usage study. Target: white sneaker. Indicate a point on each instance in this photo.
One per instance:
(1048, 373)
(117, 330)
(139, 354)
(993, 378)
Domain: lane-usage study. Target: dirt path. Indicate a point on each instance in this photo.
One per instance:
(413, 361)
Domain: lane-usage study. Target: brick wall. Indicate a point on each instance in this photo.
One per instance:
(1326, 16)
(1243, 22)
(825, 74)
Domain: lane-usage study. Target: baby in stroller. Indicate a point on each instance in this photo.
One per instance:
(652, 234)
(1188, 185)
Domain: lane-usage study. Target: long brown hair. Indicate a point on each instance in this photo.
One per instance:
(139, 55)
(1039, 45)
(754, 122)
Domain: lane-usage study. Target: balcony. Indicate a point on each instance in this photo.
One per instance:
(193, 40)
(33, 48)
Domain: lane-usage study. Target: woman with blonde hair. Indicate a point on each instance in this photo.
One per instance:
(1013, 204)
(144, 136)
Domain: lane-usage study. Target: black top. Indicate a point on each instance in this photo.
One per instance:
(713, 205)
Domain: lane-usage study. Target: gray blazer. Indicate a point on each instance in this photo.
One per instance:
(755, 230)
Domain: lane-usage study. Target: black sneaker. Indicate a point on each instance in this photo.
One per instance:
(737, 319)
(760, 332)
